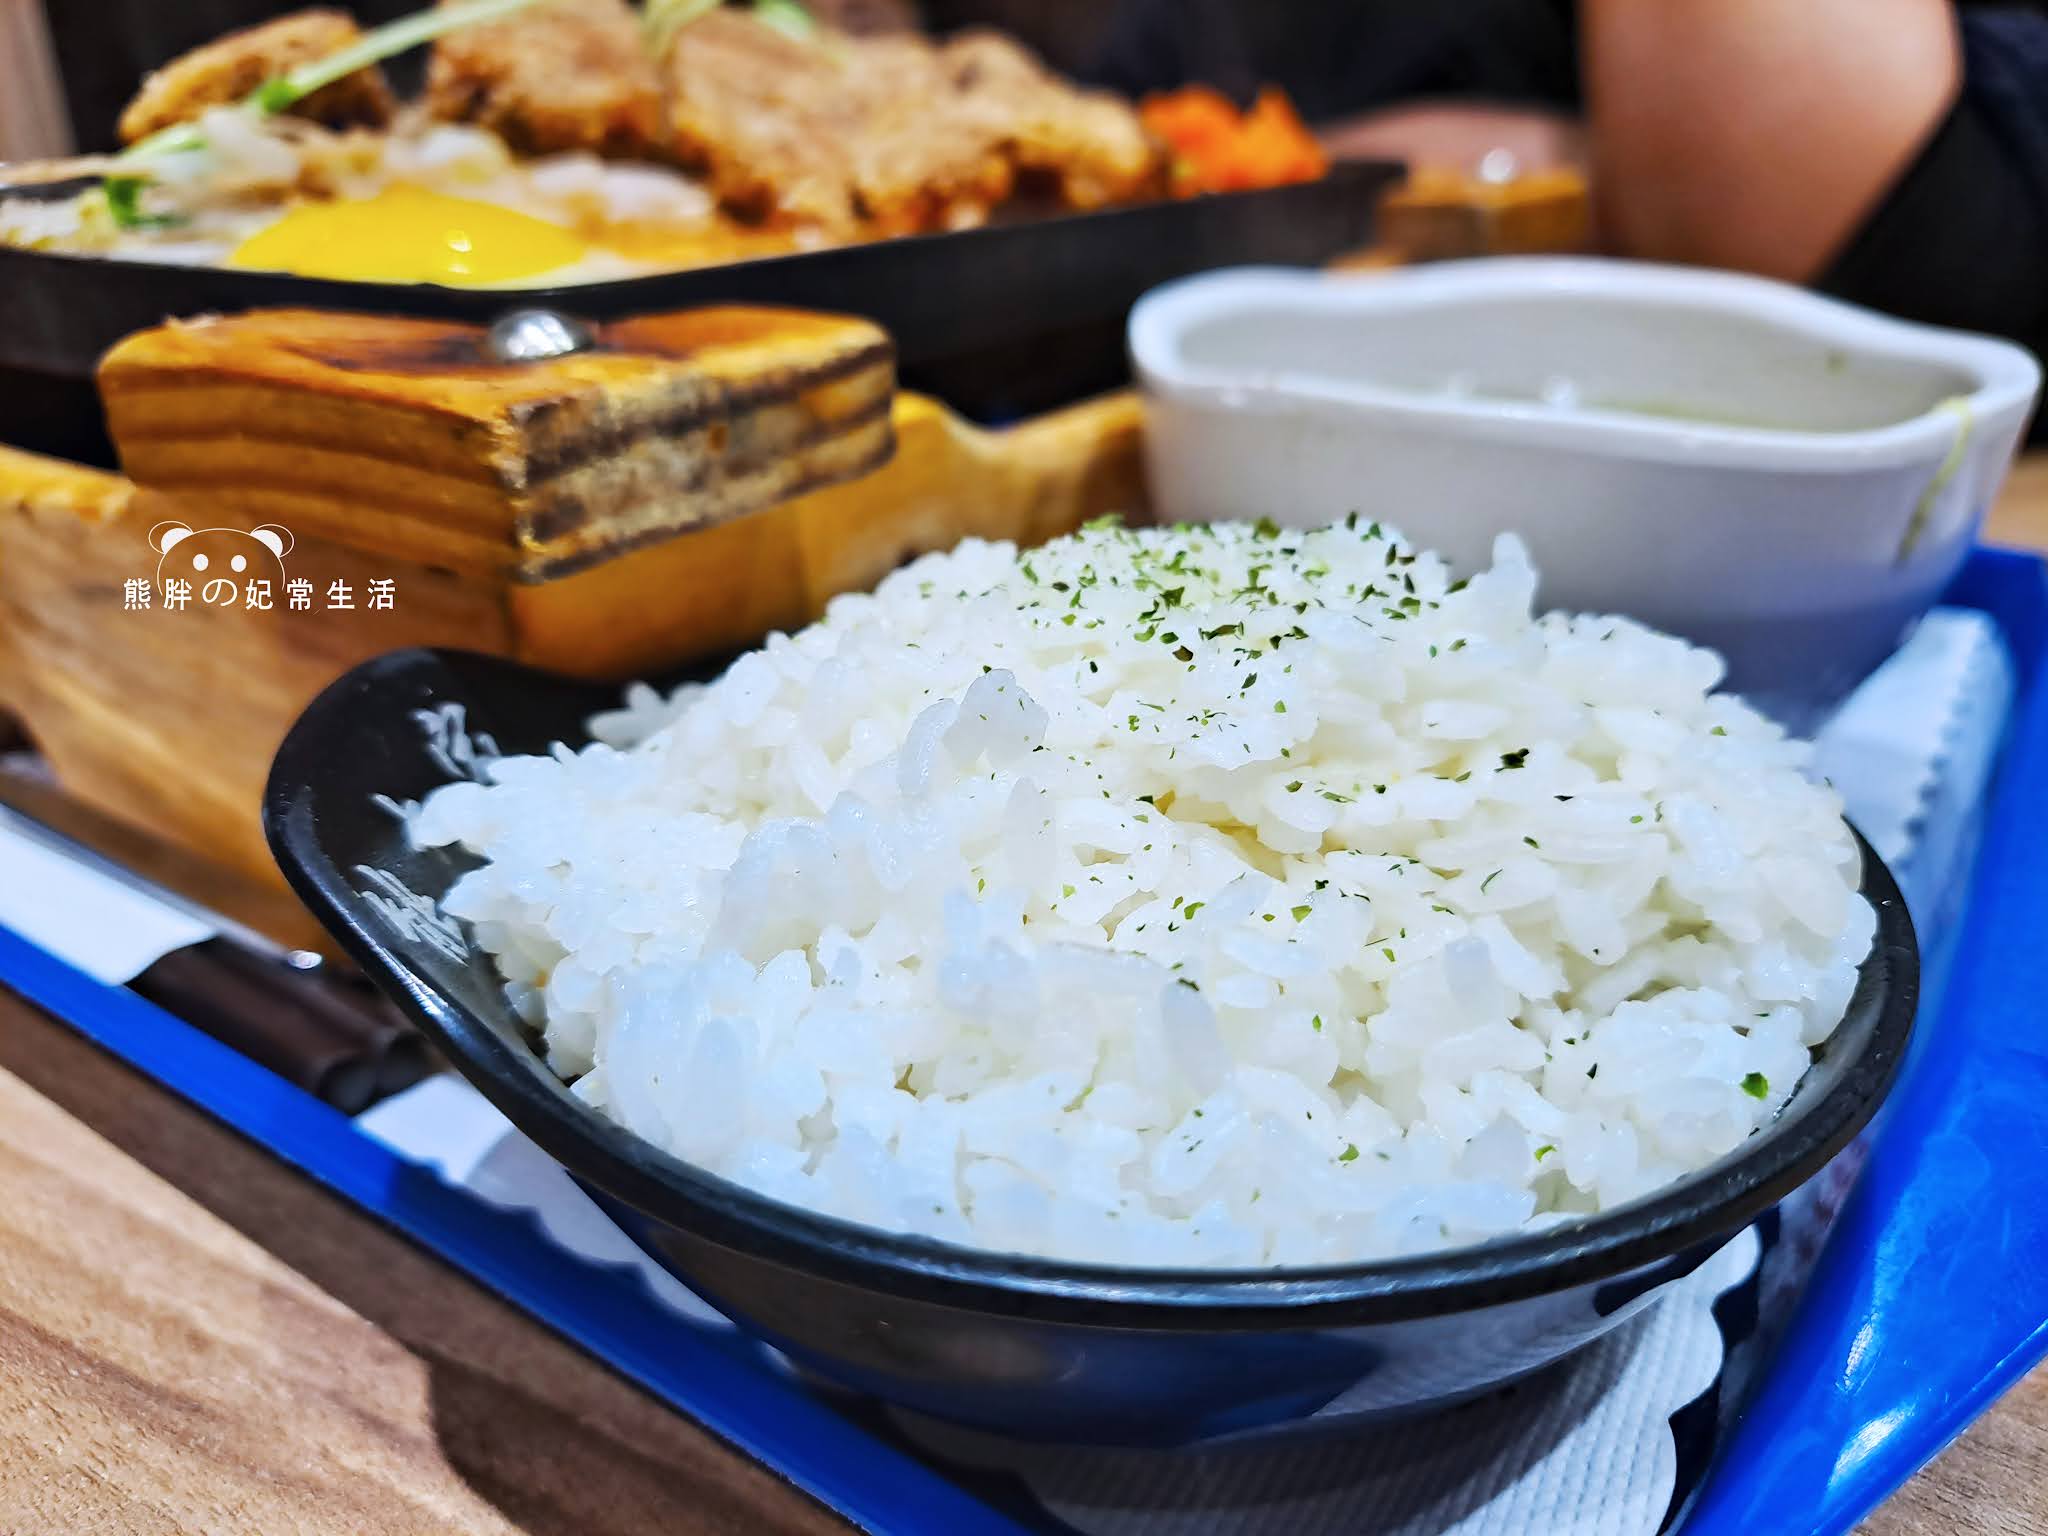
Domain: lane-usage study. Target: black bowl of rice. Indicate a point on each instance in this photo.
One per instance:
(1145, 989)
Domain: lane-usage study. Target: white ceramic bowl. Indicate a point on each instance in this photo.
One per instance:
(1788, 479)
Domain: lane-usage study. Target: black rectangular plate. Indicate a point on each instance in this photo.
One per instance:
(1052, 291)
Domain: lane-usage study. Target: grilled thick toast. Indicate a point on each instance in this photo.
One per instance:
(408, 437)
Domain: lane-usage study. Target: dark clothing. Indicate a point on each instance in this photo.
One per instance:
(1962, 238)
(1337, 59)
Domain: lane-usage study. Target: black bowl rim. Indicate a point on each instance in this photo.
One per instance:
(1668, 1224)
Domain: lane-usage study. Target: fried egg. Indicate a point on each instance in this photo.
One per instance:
(407, 234)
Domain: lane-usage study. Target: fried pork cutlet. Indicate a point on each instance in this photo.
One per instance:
(764, 116)
(908, 165)
(1090, 146)
(827, 131)
(887, 134)
(567, 76)
(229, 68)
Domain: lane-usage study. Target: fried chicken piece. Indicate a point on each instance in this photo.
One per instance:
(229, 68)
(1089, 145)
(888, 134)
(765, 116)
(571, 75)
(914, 164)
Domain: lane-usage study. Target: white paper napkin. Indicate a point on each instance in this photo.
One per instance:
(102, 925)
(1912, 751)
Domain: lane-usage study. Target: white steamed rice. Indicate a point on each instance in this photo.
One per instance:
(1219, 896)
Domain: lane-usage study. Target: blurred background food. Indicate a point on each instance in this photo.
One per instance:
(1893, 152)
(655, 137)
(584, 141)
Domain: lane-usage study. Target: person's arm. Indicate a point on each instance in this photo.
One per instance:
(1757, 134)
(1962, 237)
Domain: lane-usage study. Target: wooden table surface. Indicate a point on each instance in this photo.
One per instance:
(194, 1338)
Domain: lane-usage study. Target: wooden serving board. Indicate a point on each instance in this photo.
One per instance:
(167, 720)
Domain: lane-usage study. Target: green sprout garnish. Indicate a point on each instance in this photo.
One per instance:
(787, 17)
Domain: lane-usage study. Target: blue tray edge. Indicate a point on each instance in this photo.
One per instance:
(1852, 1407)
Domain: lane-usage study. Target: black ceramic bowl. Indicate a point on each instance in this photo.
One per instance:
(1027, 1346)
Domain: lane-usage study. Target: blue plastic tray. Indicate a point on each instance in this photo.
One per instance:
(1931, 1299)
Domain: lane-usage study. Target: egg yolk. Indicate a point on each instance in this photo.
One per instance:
(410, 235)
